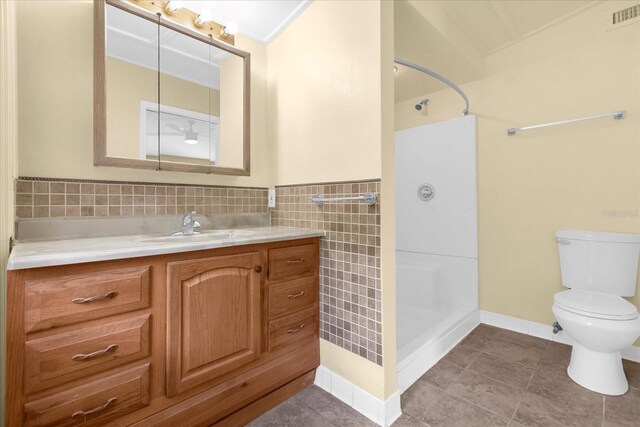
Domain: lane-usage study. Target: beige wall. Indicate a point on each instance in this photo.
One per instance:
(537, 182)
(388, 214)
(128, 84)
(325, 110)
(324, 94)
(231, 150)
(8, 161)
(324, 113)
(55, 82)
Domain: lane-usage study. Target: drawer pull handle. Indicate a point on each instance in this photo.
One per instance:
(99, 353)
(293, 296)
(84, 414)
(110, 294)
(298, 329)
(295, 261)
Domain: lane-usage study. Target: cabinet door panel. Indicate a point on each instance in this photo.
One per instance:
(213, 318)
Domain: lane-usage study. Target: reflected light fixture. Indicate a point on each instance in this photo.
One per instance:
(178, 12)
(191, 138)
(202, 18)
(231, 29)
(173, 6)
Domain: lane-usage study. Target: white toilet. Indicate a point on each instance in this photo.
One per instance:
(600, 269)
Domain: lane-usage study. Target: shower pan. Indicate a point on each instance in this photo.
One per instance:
(436, 242)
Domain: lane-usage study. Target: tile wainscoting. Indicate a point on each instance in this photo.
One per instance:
(43, 198)
(350, 287)
(349, 257)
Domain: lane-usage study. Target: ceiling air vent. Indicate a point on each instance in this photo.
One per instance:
(625, 15)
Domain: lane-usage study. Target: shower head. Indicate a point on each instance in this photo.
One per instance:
(422, 104)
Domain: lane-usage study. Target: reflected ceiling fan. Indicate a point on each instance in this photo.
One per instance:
(190, 135)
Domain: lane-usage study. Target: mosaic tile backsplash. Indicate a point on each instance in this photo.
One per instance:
(74, 198)
(350, 300)
(350, 290)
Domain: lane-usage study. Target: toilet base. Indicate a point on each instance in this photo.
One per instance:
(596, 371)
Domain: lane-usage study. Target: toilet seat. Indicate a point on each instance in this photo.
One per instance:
(596, 304)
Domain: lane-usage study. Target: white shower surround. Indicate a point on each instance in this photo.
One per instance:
(436, 243)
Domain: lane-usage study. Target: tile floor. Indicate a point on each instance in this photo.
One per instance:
(494, 377)
(312, 407)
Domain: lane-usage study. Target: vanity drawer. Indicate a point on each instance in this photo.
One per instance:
(59, 358)
(93, 403)
(294, 330)
(293, 295)
(301, 260)
(73, 299)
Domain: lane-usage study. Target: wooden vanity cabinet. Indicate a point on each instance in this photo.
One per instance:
(213, 323)
(196, 338)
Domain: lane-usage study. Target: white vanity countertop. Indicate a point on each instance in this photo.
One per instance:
(73, 251)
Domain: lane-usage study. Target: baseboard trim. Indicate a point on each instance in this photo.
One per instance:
(382, 412)
(541, 330)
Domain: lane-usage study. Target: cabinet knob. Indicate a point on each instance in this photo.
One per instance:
(258, 269)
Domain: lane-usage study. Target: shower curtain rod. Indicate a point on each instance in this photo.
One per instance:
(439, 77)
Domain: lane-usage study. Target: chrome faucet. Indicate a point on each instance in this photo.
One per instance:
(188, 225)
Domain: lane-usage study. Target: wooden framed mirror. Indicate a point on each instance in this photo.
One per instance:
(167, 97)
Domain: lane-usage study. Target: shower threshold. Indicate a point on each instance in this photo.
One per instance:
(445, 330)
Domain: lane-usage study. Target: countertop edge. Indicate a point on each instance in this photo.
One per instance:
(66, 258)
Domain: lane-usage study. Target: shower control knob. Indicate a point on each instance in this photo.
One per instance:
(426, 192)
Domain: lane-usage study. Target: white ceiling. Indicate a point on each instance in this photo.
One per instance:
(135, 40)
(260, 20)
(495, 24)
(454, 38)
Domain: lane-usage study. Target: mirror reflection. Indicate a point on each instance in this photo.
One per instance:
(171, 98)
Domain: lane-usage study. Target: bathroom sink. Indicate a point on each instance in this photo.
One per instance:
(202, 236)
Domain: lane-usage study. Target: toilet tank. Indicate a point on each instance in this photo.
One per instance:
(597, 261)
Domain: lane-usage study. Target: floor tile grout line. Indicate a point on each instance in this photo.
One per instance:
(502, 331)
(476, 405)
(339, 402)
(526, 390)
(498, 336)
(444, 390)
(499, 381)
(537, 367)
(522, 345)
(463, 371)
(508, 361)
(465, 400)
(461, 398)
(534, 370)
(307, 406)
(513, 417)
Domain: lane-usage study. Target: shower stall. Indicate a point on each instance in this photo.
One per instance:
(436, 242)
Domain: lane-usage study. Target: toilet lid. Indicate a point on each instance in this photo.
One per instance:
(596, 304)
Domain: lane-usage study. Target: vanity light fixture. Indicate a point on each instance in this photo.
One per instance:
(231, 29)
(202, 19)
(175, 12)
(173, 6)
